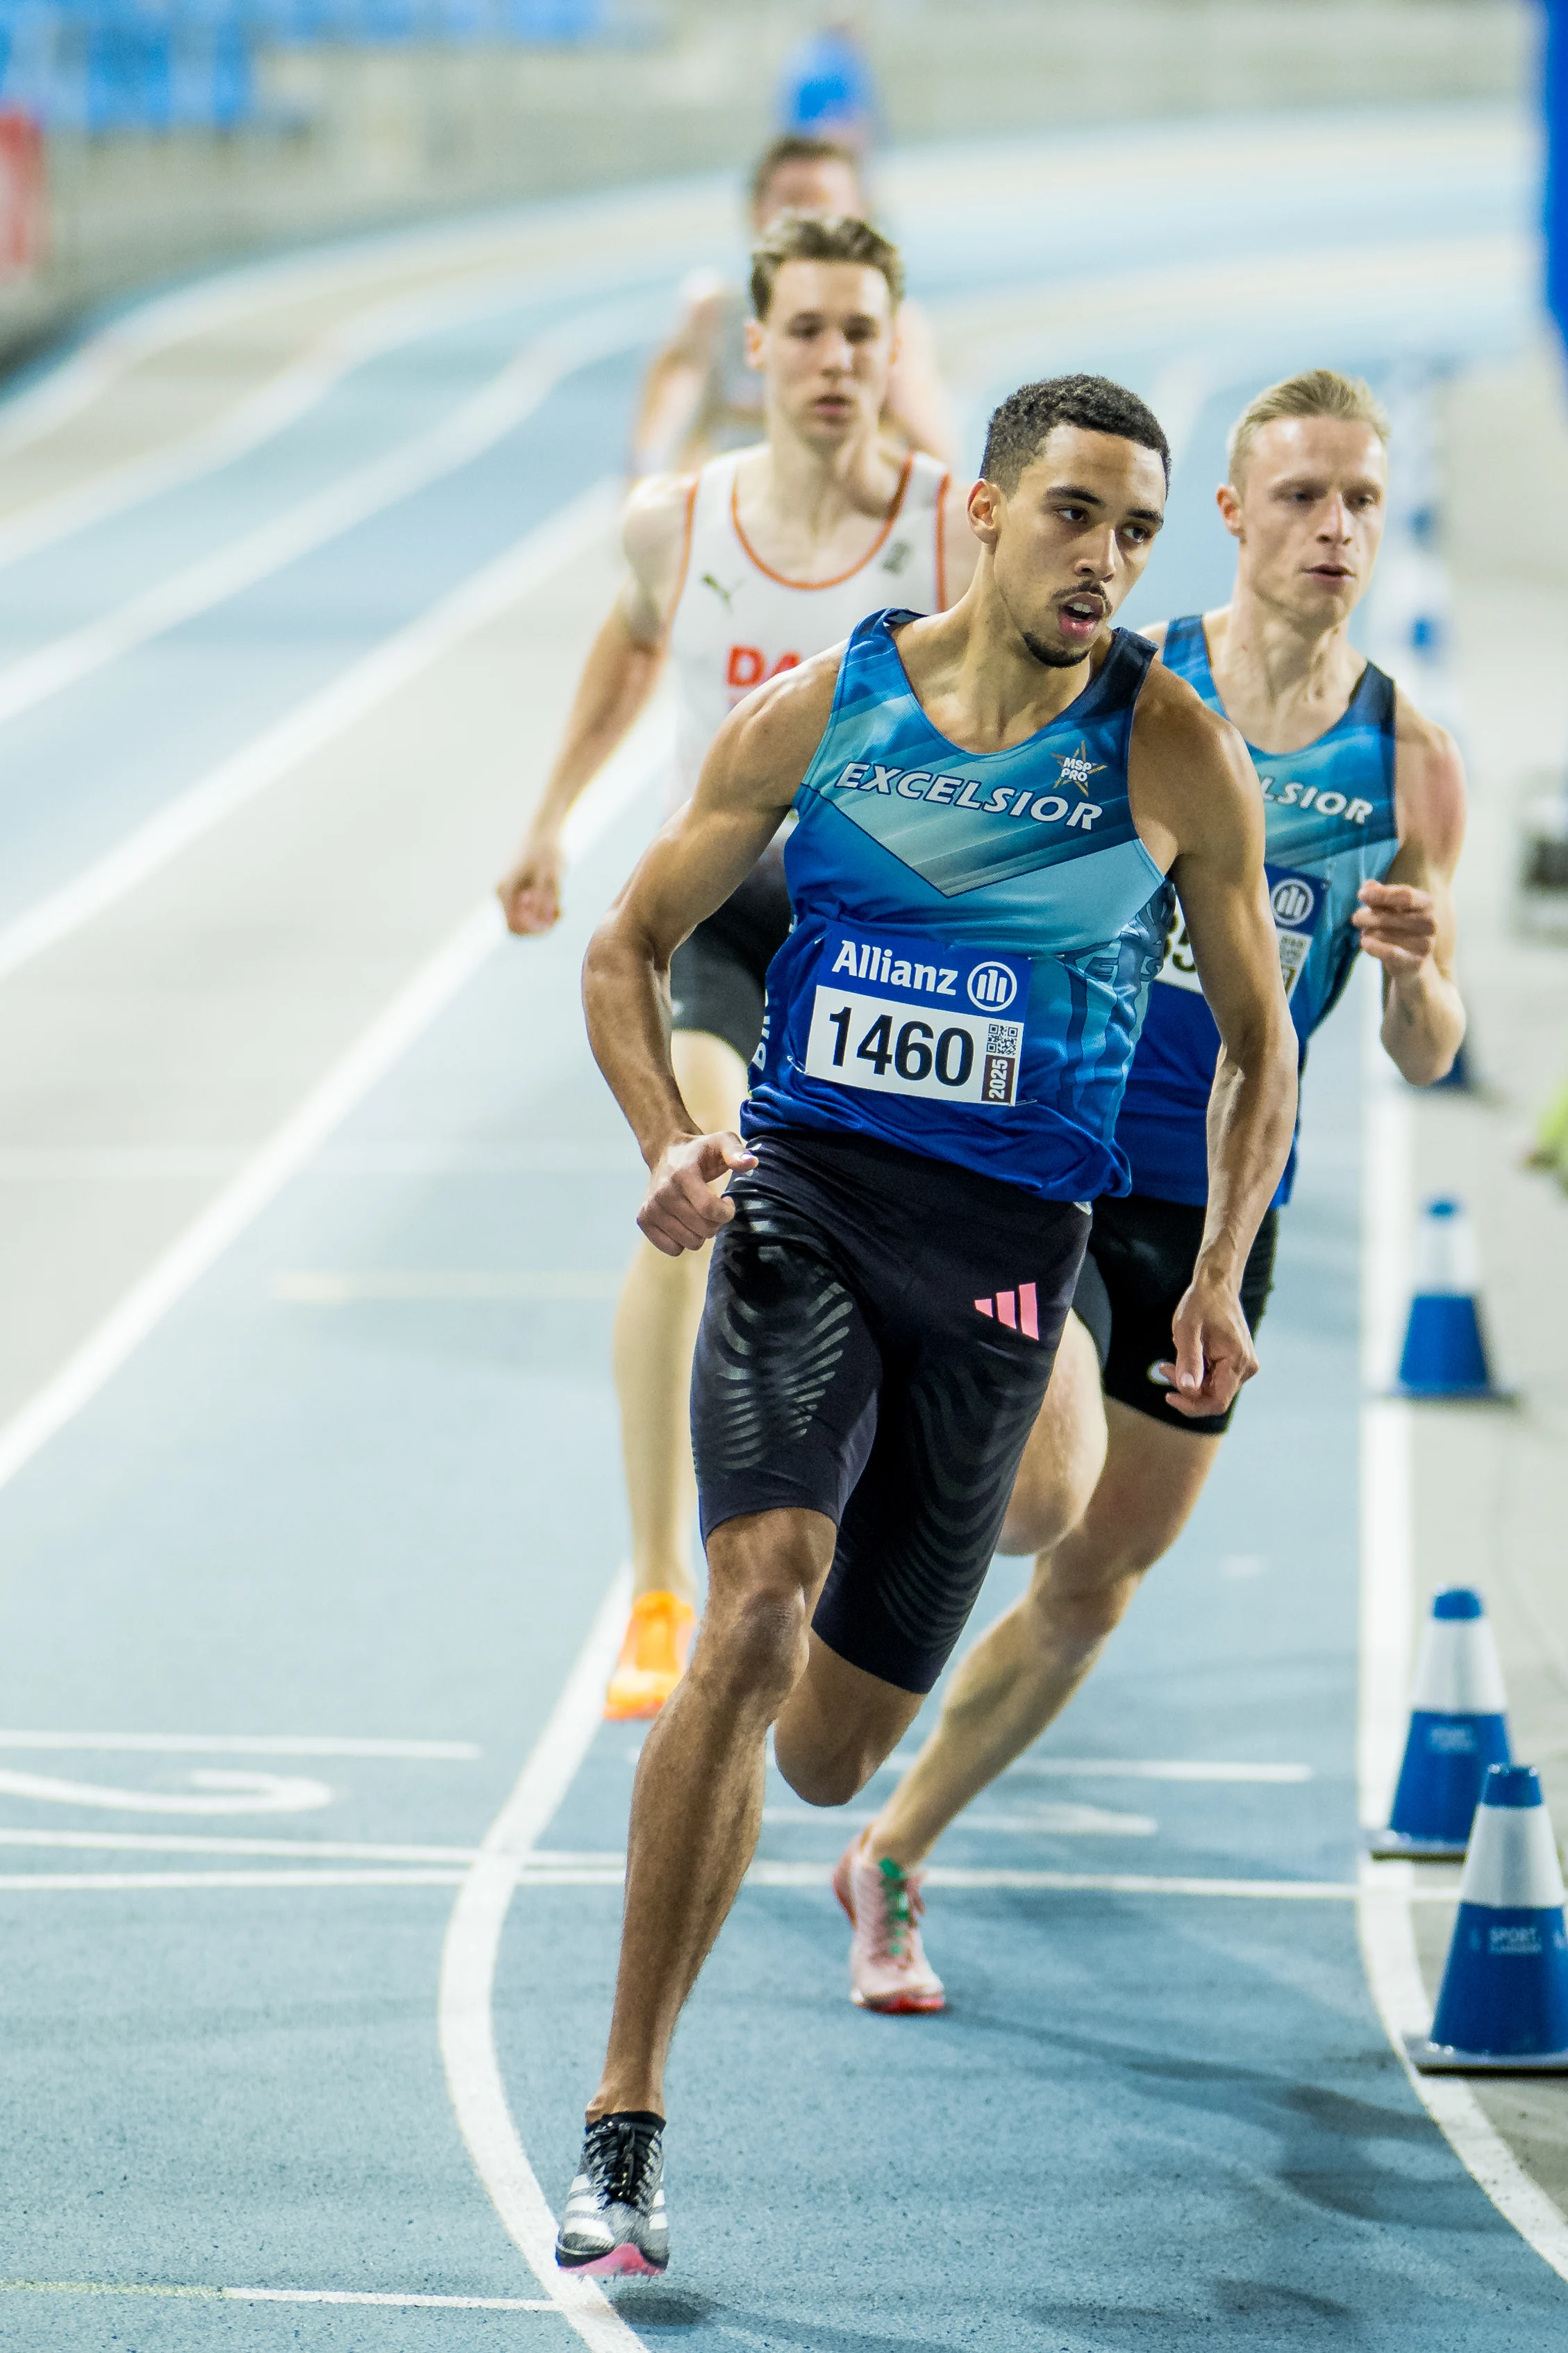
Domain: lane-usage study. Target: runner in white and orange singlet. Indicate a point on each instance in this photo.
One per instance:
(766, 557)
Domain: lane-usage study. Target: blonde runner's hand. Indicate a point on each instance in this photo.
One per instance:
(1214, 1350)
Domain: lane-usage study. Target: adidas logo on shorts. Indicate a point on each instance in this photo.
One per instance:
(1018, 1310)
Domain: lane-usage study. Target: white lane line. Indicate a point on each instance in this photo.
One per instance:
(1387, 1523)
(410, 1285)
(1159, 1769)
(136, 1164)
(210, 1793)
(543, 1869)
(1030, 1821)
(402, 2303)
(150, 1299)
(153, 327)
(281, 401)
(1248, 304)
(132, 1883)
(410, 2302)
(466, 2001)
(242, 1744)
(327, 1105)
(230, 297)
(311, 726)
(193, 1842)
(1132, 1768)
(498, 409)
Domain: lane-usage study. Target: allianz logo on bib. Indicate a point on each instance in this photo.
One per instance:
(992, 986)
(914, 964)
(965, 793)
(868, 960)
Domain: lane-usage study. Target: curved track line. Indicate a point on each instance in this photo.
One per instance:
(324, 1108)
(277, 403)
(226, 297)
(1386, 1929)
(465, 2004)
(310, 726)
(476, 425)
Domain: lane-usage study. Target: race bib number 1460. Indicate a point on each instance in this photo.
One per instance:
(908, 1016)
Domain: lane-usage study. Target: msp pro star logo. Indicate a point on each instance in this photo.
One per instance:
(1077, 767)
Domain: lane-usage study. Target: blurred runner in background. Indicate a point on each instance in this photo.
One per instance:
(827, 87)
(702, 395)
(748, 567)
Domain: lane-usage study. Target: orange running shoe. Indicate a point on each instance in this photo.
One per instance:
(653, 1656)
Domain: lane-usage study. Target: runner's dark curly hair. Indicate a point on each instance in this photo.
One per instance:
(1018, 428)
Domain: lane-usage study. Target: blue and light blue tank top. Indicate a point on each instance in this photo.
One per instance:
(1330, 825)
(974, 934)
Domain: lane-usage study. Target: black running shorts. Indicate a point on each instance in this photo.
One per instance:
(1140, 1260)
(718, 977)
(876, 1343)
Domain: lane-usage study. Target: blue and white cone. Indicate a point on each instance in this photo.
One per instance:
(1445, 1353)
(1503, 2006)
(1458, 1727)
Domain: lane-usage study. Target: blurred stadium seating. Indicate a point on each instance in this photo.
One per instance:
(103, 65)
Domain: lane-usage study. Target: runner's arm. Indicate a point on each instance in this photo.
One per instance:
(1207, 797)
(917, 406)
(676, 383)
(1406, 921)
(618, 676)
(707, 849)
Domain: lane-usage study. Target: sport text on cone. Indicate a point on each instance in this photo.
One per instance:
(1503, 2006)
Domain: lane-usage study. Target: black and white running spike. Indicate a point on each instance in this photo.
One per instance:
(614, 2210)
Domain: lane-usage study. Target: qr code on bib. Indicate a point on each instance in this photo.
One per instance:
(1004, 1046)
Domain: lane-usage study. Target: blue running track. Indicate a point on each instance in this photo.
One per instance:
(344, 1531)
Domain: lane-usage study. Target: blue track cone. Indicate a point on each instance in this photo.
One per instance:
(1503, 2006)
(1458, 1727)
(1445, 1353)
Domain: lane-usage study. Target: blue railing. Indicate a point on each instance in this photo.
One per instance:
(106, 66)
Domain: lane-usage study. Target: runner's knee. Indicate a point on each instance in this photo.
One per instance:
(754, 1638)
(1046, 1501)
(1082, 1602)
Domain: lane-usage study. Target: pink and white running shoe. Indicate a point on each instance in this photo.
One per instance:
(888, 1966)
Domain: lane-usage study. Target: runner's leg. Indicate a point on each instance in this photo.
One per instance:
(697, 1804)
(1022, 1673)
(655, 1333)
(1066, 1452)
(838, 1725)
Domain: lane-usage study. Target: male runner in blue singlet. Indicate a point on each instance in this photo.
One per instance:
(989, 803)
(1364, 803)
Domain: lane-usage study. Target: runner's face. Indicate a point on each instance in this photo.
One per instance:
(826, 348)
(1072, 538)
(1308, 516)
(808, 187)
